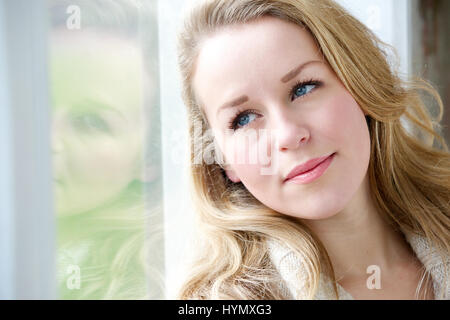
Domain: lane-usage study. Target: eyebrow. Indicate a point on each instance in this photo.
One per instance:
(289, 76)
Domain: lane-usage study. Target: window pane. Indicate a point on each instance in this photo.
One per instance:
(103, 89)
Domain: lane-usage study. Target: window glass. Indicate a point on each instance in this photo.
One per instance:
(103, 91)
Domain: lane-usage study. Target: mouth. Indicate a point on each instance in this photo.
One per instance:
(311, 174)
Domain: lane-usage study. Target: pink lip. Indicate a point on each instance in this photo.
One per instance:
(310, 170)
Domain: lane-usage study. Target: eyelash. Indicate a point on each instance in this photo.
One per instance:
(233, 122)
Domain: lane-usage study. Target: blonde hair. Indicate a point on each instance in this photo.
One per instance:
(409, 174)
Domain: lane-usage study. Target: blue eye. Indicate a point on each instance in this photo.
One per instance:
(243, 120)
(303, 88)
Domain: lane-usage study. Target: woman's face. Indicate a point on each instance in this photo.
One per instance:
(256, 65)
(96, 119)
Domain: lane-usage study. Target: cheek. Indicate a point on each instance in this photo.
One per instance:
(103, 161)
(348, 131)
(344, 123)
(248, 156)
(354, 128)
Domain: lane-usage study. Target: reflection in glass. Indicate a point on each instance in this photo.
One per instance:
(98, 134)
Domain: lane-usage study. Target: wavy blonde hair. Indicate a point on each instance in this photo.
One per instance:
(409, 169)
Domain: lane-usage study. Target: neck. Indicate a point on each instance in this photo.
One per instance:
(358, 237)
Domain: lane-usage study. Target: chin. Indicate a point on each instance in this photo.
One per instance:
(318, 215)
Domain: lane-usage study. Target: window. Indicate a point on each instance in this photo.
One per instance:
(104, 93)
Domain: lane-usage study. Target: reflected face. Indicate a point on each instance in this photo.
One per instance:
(96, 119)
(269, 76)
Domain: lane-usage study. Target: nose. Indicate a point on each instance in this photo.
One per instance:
(290, 131)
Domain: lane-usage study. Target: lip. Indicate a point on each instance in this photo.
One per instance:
(310, 170)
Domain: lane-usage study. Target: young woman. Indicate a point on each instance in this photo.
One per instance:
(354, 200)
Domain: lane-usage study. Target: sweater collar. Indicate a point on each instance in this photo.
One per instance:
(290, 269)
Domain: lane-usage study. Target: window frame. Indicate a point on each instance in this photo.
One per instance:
(27, 243)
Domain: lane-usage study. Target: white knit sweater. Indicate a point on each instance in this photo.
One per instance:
(289, 267)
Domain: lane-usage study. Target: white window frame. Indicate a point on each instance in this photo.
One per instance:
(27, 236)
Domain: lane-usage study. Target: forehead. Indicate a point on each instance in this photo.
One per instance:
(236, 57)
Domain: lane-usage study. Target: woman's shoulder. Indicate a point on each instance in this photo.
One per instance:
(436, 263)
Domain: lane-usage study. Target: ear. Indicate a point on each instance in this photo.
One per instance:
(232, 175)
